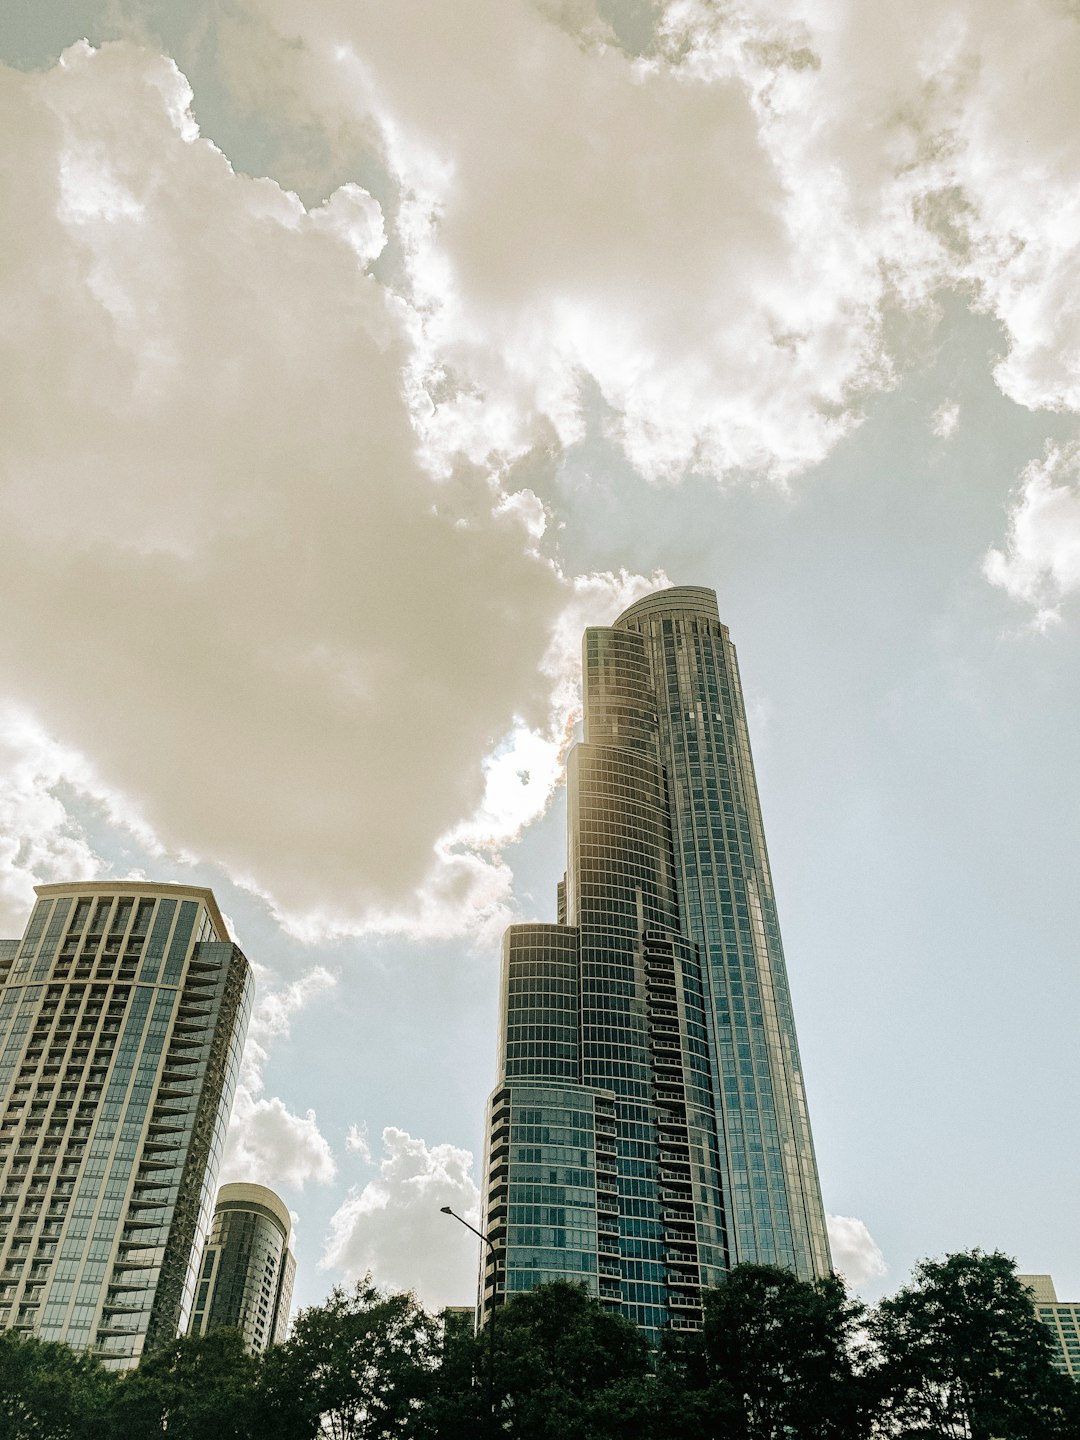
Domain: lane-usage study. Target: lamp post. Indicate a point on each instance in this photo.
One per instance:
(445, 1210)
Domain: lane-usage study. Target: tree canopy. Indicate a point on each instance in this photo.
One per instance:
(957, 1354)
(778, 1356)
(961, 1355)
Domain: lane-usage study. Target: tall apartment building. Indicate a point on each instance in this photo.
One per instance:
(1061, 1318)
(123, 1011)
(649, 1127)
(247, 1272)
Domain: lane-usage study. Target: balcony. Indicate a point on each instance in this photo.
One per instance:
(683, 1280)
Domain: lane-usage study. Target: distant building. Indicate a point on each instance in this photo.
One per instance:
(457, 1320)
(123, 1012)
(1061, 1318)
(247, 1272)
(649, 1128)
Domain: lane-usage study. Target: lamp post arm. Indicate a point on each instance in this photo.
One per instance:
(478, 1233)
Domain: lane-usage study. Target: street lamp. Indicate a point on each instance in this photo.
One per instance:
(445, 1210)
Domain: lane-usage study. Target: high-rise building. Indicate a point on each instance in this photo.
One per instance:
(1061, 1318)
(247, 1272)
(123, 1011)
(649, 1127)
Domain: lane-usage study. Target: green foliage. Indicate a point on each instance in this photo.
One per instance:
(963, 1356)
(564, 1364)
(48, 1392)
(777, 1357)
(359, 1367)
(561, 1366)
(199, 1388)
(958, 1354)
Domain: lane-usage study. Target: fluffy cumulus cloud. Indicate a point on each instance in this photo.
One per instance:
(715, 228)
(392, 1227)
(268, 1144)
(1040, 564)
(271, 559)
(229, 576)
(569, 210)
(39, 840)
(855, 1253)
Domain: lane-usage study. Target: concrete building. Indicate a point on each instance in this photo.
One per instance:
(247, 1272)
(1061, 1318)
(649, 1127)
(123, 1012)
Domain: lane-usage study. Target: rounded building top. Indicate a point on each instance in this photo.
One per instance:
(254, 1197)
(166, 889)
(697, 598)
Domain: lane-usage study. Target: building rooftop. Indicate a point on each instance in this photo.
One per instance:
(141, 887)
(698, 598)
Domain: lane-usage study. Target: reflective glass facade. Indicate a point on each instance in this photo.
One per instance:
(123, 1012)
(660, 996)
(247, 1271)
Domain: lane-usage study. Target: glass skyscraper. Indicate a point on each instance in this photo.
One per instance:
(123, 1012)
(247, 1272)
(649, 1127)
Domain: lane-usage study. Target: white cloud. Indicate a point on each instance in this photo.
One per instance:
(228, 577)
(715, 232)
(267, 1143)
(945, 419)
(39, 839)
(1040, 564)
(393, 1228)
(568, 211)
(855, 1253)
(267, 561)
(356, 1142)
(271, 1145)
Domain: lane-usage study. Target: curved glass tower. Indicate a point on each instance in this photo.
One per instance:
(247, 1272)
(649, 1128)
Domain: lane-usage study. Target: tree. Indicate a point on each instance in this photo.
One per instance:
(197, 1388)
(777, 1357)
(963, 1356)
(48, 1392)
(358, 1367)
(569, 1369)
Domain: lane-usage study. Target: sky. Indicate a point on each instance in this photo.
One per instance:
(356, 356)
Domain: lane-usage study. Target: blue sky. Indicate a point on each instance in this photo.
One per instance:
(354, 364)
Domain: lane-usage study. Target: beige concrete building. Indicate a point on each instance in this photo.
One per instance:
(247, 1272)
(123, 1012)
(1061, 1318)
